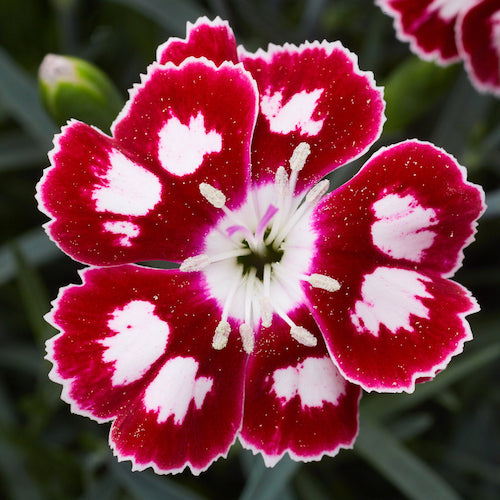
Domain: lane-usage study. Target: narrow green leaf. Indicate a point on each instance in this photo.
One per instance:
(383, 405)
(399, 466)
(146, 486)
(268, 483)
(172, 15)
(35, 246)
(19, 96)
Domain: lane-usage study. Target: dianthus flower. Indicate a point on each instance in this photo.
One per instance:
(447, 31)
(288, 300)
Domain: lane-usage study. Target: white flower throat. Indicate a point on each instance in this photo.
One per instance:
(257, 256)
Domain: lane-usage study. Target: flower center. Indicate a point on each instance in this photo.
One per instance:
(257, 260)
(258, 256)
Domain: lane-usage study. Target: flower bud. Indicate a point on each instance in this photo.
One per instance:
(74, 88)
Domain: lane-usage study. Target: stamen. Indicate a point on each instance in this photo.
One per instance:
(266, 279)
(266, 311)
(213, 195)
(281, 182)
(315, 194)
(303, 336)
(299, 156)
(299, 333)
(312, 198)
(247, 337)
(242, 229)
(196, 263)
(297, 162)
(322, 281)
(221, 335)
(199, 262)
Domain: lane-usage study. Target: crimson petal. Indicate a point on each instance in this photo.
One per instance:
(136, 346)
(478, 38)
(296, 401)
(313, 93)
(136, 196)
(205, 38)
(428, 25)
(391, 236)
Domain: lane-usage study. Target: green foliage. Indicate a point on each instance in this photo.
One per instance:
(73, 88)
(440, 442)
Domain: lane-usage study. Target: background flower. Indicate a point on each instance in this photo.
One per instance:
(447, 431)
(447, 31)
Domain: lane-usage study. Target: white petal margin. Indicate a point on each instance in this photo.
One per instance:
(141, 338)
(182, 147)
(173, 389)
(127, 188)
(402, 229)
(316, 381)
(390, 297)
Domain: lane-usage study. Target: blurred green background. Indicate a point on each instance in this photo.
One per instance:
(442, 442)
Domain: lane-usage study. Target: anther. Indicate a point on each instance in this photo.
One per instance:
(266, 311)
(316, 192)
(213, 195)
(247, 337)
(322, 281)
(303, 336)
(299, 156)
(196, 263)
(281, 181)
(221, 335)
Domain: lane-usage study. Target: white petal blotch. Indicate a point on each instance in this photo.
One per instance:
(141, 338)
(390, 297)
(315, 381)
(173, 389)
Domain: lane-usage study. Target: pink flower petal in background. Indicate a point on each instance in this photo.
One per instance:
(429, 26)
(447, 31)
(478, 38)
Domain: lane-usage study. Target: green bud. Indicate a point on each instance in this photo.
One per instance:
(74, 88)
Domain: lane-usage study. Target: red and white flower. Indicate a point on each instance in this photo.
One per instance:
(447, 31)
(288, 300)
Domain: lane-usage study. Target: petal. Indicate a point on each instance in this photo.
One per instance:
(390, 237)
(429, 26)
(136, 346)
(478, 38)
(314, 93)
(411, 202)
(205, 38)
(394, 326)
(296, 401)
(136, 196)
